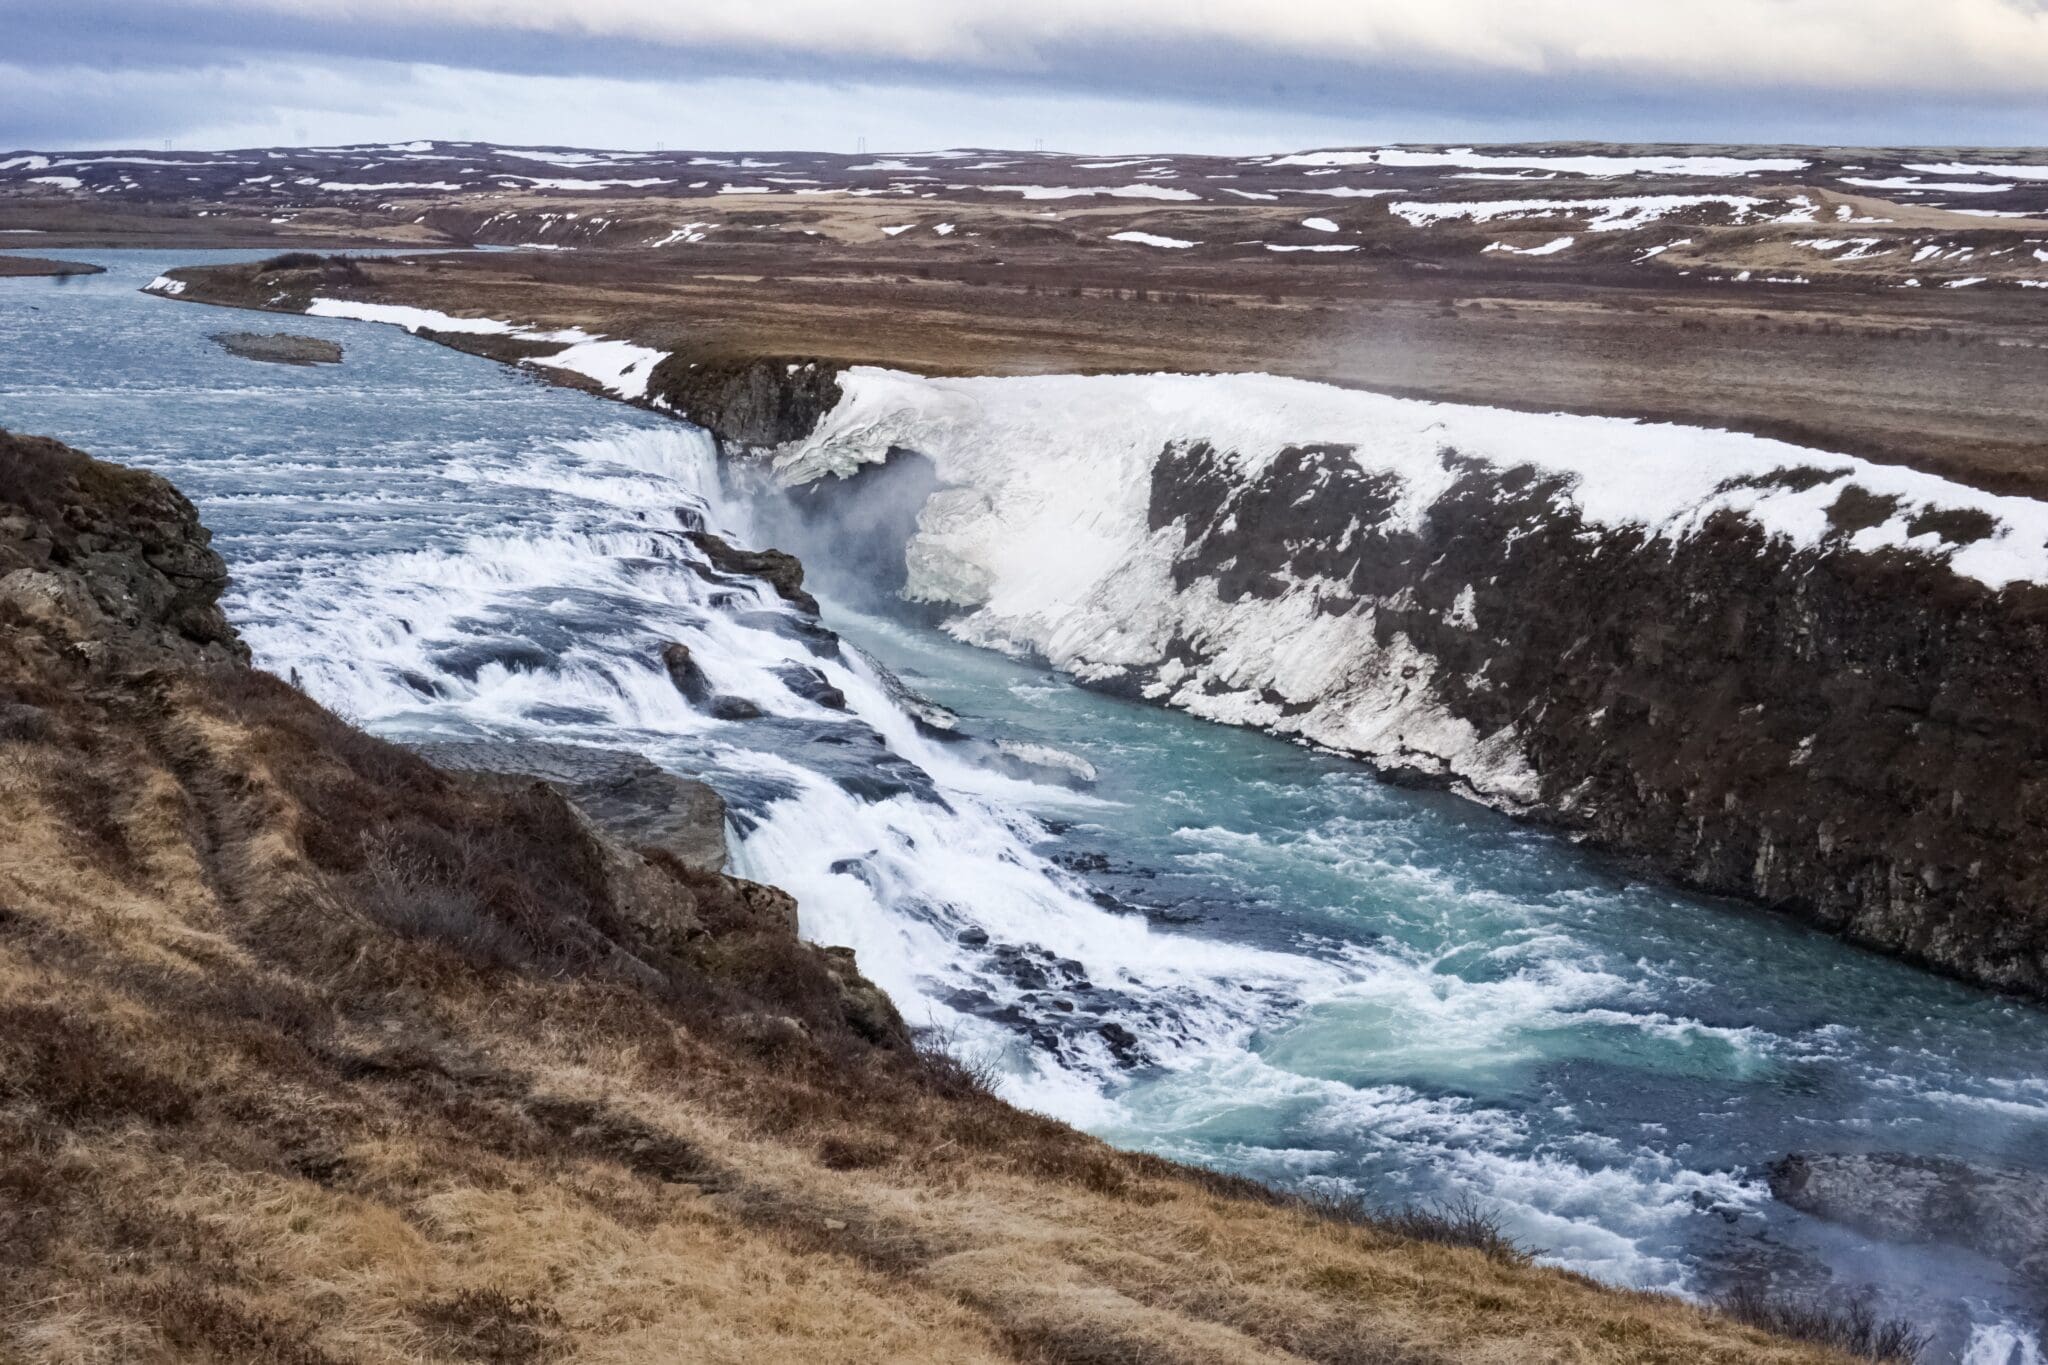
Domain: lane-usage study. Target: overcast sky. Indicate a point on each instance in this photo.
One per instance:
(1080, 75)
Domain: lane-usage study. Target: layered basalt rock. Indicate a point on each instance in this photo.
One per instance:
(1860, 739)
(754, 403)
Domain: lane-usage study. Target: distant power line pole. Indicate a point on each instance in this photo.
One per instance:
(860, 145)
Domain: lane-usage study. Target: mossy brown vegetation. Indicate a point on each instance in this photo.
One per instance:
(311, 1052)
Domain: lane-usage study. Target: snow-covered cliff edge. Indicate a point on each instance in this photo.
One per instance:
(1760, 669)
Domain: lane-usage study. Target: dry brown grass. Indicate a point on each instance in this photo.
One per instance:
(310, 1053)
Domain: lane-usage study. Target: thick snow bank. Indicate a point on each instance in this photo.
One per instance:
(1082, 448)
(622, 368)
(1045, 534)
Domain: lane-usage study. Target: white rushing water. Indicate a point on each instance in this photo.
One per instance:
(1225, 949)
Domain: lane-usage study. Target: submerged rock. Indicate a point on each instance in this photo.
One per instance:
(812, 686)
(1998, 1211)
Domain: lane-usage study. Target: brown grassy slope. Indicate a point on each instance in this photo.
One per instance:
(312, 1053)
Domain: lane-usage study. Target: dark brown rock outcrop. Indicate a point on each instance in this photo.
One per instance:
(753, 403)
(780, 570)
(1857, 739)
(114, 558)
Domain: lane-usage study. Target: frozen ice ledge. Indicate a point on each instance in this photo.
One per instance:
(1749, 667)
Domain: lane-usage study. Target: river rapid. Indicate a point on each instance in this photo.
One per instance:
(1225, 949)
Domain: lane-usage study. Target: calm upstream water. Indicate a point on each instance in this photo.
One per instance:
(1228, 950)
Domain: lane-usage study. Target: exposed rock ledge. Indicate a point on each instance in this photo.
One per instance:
(1997, 1211)
(1755, 669)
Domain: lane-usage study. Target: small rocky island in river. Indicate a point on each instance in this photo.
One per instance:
(280, 348)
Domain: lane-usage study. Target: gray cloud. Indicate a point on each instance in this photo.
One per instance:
(1214, 72)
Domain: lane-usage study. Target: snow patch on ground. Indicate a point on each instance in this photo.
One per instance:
(1907, 182)
(546, 183)
(1152, 239)
(1083, 191)
(620, 367)
(352, 186)
(1598, 166)
(1549, 248)
(1602, 215)
(411, 319)
(1974, 168)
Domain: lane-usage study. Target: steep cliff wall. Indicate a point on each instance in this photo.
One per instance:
(1754, 669)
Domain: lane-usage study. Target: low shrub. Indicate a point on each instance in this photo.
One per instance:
(1853, 1327)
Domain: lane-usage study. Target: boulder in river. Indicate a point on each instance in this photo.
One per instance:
(780, 570)
(684, 672)
(1997, 1211)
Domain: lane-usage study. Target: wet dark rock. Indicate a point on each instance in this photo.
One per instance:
(849, 753)
(1997, 1211)
(972, 937)
(800, 629)
(685, 673)
(725, 706)
(812, 686)
(1123, 1044)
(467, 661)
(779, 570)
(931, 719)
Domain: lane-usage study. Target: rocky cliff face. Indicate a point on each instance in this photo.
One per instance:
(113, 558)
(1749, 668)
(753, 403)
(1859, 739)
